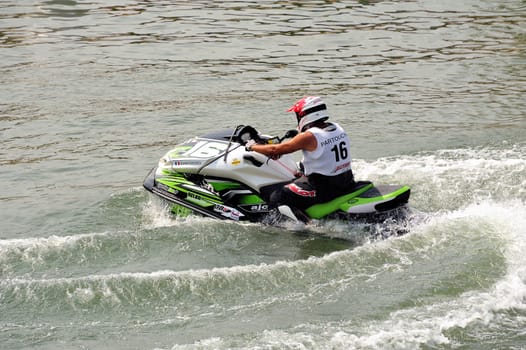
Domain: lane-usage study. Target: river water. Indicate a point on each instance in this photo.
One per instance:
(94, 92)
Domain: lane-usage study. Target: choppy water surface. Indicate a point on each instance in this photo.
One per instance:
(93, 93)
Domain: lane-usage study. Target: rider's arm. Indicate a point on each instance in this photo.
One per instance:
(302, 141)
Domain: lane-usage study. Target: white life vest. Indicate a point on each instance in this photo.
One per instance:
(332, 155)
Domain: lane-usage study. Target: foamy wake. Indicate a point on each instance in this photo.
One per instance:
(426, 325)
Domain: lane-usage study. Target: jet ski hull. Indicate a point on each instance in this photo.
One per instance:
(215, 176)
(366, 201)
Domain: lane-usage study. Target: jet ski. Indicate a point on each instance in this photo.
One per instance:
(215, 176)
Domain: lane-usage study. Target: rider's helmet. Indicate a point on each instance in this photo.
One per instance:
(308, 110)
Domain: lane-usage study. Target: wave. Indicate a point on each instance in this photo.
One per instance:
(479, 226)
(495, 306)
(454, 178)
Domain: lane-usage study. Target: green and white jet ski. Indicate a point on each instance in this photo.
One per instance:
(215, 176)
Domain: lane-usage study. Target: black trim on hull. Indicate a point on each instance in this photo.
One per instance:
(149, 184)
(149, 180)
(398, 201)
(173, 199)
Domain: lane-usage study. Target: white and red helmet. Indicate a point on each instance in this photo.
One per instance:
(309, 110)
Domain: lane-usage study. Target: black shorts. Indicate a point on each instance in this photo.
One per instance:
(307, 191)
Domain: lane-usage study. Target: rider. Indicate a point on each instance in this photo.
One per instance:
(326, 157)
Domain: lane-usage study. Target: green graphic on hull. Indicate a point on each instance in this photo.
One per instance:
(351, 200)
(199, 200)
(179, 185)
(222, 185)
(318, 211)
(181, 211)
(251, 199)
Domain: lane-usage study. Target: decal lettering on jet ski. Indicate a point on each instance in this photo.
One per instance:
(228, 212)
(256, 208)
(207, 149)
(197, 199)
(179, 162)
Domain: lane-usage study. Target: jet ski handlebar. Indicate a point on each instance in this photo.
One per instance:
(247, 132)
